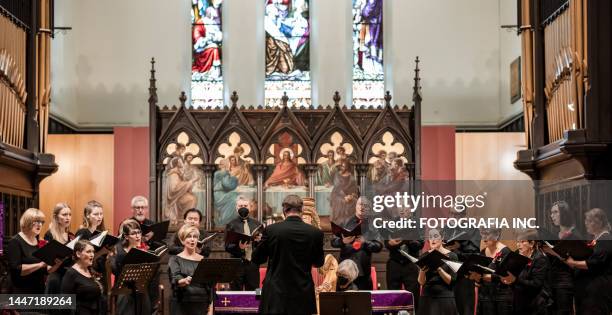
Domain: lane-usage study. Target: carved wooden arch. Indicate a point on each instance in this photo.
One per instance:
(183, 120)
(235, 119)
(297, 137)
(389, 118)
(325, 138)
(285, 118)
(397, 137)
(173, 138)
(223, 137)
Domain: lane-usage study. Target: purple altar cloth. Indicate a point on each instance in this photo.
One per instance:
(383, 301)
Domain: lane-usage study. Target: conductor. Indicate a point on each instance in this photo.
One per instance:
(291, 248)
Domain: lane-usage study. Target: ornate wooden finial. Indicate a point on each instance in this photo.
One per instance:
(388, 98)
(416, 89)
(183, 98)
(152, 87)
(336, 98)
(234, 98)
(284, 99)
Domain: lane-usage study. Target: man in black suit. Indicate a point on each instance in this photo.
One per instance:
(248, 277)
(291, 248)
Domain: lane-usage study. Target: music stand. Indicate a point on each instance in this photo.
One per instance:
(134, 278)
(353, 303)
(216, 270)
(213, 271)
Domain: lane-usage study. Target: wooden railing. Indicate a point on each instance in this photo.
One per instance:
(12, 82)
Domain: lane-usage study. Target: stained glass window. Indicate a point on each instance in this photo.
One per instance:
(287, 27)
(207, 40)
(368, 74)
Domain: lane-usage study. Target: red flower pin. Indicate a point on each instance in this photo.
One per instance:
(592, 243)
(529, 263)
(356, 245)
(497, 256)
(42, 243)
(143, 246)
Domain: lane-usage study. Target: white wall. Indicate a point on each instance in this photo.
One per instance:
(510, 49)
(100, 68)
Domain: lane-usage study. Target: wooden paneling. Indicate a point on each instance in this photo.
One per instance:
(86, 164)
(488, 156)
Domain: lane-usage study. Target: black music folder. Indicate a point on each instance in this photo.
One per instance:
(432, 260)
(55, 250)
(472, 263)
(513, 263)
(233, 237)
(578, 250)
(341, 231)
(138, 256)
(159, 230)
(345, 303)
(104, 239)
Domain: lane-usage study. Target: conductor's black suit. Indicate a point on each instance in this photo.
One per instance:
(291, 248)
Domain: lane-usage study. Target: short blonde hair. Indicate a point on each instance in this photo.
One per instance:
(185, 230)
(28, 217)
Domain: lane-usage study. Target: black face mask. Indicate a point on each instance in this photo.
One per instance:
(243, 212)
(342, 282)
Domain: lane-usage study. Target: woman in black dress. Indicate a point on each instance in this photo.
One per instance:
(131, 239)
(437, 295)
(561, 276)
(530, 288)
(59, 231)
(93, 223)
(594, 277)
(187, 297)
(494, 296)
(81, 280)
(27, 272)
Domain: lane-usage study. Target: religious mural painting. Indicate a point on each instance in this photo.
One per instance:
(388, 173)
(336, 189)
(368, 72)
(183, 183)
(207, 40)
(287, 27)
(285, 176)
(233, 178)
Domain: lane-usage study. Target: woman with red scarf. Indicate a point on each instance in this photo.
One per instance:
(594, 275)
(28, 272)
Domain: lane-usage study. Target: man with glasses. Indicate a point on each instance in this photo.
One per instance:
(140, 207)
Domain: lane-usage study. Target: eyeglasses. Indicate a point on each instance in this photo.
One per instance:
(139, 207)
(38, 222)
(136, 232)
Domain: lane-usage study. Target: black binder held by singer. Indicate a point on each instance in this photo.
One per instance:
(159, 230)
(233, 237)
(340, 231)
(513, 263)
(55, 250)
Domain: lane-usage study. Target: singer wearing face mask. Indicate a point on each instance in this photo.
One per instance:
(248, 277)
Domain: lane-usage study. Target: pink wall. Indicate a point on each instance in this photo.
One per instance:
(438, 153)
(131, 169)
